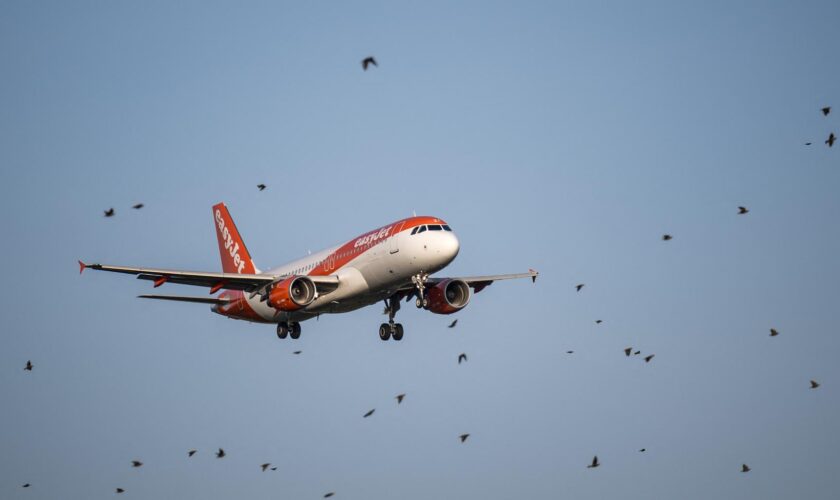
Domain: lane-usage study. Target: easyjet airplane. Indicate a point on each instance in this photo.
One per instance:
(390, 263)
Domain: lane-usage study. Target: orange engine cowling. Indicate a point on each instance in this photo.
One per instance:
(292, 294)
(448, 296)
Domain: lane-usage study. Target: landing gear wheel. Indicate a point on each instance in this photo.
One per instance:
(295, 331)
(384, 331)
(418, 302)
(282, 330)
(398, 332)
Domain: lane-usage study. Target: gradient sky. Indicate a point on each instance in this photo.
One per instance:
(563, 137)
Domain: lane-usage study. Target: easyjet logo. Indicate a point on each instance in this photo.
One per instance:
(231, 246)
(374, 236)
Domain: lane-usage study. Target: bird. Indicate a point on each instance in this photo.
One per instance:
(264, 467)
(462, 357)
(366, 415)
(297, 352)
(637, 353)
(642, 450)
(191, 453)
(28, 366)
(138, 206)
(120, 490)
(463, 437)
(666, 237)
(598, 321)
(743, 210)
(807, 143)
(578, 287)
(814, 384)
(274, 468)
(648, 358)
(831, 139)
(261, 187)
(628, 351)
(595, 463)
(329, 494)
(826, 110)
(745, 468)
(221, 453)
(109, 212)
(570, 352)
(136, 463)
(367, 61)
(452, 325)
(399, 398)
(27, 485)
(773, 332)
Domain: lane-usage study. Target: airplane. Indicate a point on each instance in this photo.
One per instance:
(390, 263)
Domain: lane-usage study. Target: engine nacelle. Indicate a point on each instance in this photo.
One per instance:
(448, 296)
(292, 294)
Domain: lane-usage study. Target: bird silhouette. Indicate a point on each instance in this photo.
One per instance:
(667, 237)
(28, 366)
(570, 352)
(399, 398)
(274, 468)
(648, 358)
(826, 110)
(463, 437)
(138, 206)
(297, 352)
(109, 212)
(327, 495)
(637, 353)
(807, 143)
(595, 463)
(831, 139)
(191, 453)
(642, 450)
(598, 321)
(27, 485)
(367, 61)
(264, 467)
(221, 453)
(120, 490)
(461, 358)
(773, 332)
(815, 384)
(578, 287)
(452, 325)
(261, 187)
(743, 210)
(136, 463)
(745, 468)
(628, 351)
(366, 415)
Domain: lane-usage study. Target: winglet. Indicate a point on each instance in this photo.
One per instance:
(534, 275)
(82, 267)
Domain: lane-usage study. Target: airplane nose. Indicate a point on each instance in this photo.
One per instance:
(451, 246)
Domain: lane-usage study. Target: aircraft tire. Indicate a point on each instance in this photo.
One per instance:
(295, 331)
(282, 330)
(384, 331)
(398, 332)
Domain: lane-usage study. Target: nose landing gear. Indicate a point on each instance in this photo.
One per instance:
(419, 281)
(391, 329)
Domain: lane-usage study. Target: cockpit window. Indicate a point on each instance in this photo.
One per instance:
(446, 228)
(422, 228)
(435, 227)
(415, 229)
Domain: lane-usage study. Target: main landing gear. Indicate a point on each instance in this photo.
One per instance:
(391, 329)
(419, 281)
(288, 329)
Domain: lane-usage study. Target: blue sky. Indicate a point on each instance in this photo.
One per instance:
(563, 137)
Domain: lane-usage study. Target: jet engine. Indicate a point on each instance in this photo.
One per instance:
(448, 296)
(292, 294)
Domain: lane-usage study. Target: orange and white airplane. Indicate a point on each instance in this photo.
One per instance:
(390, 263)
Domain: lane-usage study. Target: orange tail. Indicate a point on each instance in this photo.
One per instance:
(235, 256)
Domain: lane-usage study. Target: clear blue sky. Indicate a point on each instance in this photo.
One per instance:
(563, 137)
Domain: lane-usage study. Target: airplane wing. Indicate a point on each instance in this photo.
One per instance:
(181, 298)
(214, 281)
(479, 283)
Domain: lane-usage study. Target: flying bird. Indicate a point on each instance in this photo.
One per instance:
(642, 450)
(814, 384)
(743, 210)
(462, 357)
(191, 453)
(637, 353)
(826, 110)
(807, 143)
(648, 358)
(297, 352)
(136, 463)
(221, 453)
(329, 494)
(261, 187)
(831, 139)
(366, 415)
(773, 332)
(745, 468)
(27, 485)
(120, 490)
(452, 325)
(367, 61)
(666, 237)
(264, 467)
(463, 437)
(399, 398)
(628, 351)
(578, 287)
(598, 321)
(570, 352)
(595, 463)
(138, 206)
(109, 212)
(28, 366)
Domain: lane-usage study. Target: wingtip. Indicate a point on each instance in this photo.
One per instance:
(82, 266)
(534, 274)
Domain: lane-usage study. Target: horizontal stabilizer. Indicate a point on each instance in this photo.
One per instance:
(200, 300)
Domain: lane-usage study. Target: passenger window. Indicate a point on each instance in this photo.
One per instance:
(434, 227)
(422, 228)
(446, 228)
(415, 229)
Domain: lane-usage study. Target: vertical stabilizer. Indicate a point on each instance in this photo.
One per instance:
(235, 256)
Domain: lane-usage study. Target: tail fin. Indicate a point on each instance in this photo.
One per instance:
(235, 256)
